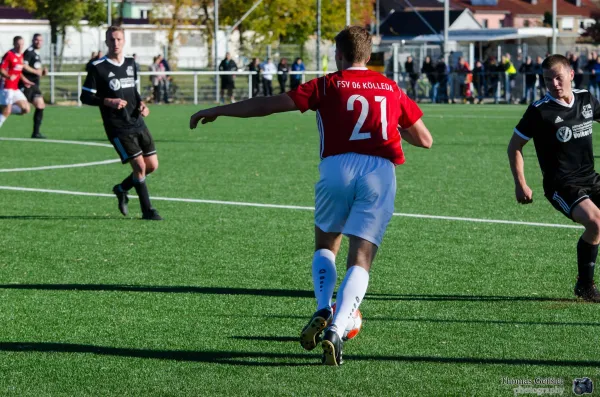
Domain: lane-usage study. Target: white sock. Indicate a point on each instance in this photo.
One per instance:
(15, 109)
(351, 293)
(324, 277)
(2, 119)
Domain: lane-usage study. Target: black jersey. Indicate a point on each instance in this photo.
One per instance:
(562, 134)
(108, 79)
(32, 59)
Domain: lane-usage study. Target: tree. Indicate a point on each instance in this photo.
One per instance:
(63, 13)
(593, 32)
(175, 13)
(294, 21)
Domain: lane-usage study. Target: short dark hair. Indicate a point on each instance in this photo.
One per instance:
(114, 28)
(36, 35)
(556, 59)
(354, 43)
(17, 38)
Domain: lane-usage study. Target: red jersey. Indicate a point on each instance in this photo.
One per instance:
(13, 64)
(358, 111)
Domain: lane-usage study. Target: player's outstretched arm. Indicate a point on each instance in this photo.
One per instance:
(255, 107)
(523, 193)
(417, 135)
(37, 72)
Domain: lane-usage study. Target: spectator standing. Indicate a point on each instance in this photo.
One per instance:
(510, 73)
(413, 78)
(576, 66)
(596, 75)
(428, 69)
(268, 70)
(527, 68)
(227, 80)
(156, 79)
(540, 75)
(296, 79)
(166, 81)
(440, 90)
(255, 67)
(465, 77)
(479, 80)
(590, 69)
(282, 74)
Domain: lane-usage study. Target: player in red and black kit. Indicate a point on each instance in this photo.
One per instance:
(12, 100)
(110, 85)
(359, 113)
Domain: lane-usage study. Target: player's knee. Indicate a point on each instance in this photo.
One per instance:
(151, 167)
(40, 104)
(593, 227)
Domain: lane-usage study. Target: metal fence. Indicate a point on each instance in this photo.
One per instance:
(205, 86)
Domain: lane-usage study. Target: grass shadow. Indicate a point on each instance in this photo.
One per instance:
(239, 358)
(276, 292)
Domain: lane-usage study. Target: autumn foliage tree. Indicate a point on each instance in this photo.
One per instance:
(63, 13)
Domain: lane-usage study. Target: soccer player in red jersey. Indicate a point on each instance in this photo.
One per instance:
(12, 100)
(362, 118)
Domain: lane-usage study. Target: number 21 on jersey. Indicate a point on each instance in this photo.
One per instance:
(356, 134)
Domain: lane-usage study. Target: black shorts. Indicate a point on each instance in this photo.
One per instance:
(134, 144)
(565, 198)
(227, 84)
(31, 93)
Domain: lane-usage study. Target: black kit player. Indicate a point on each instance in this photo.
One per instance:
(560, 125)
(33, 71)
(111, 85)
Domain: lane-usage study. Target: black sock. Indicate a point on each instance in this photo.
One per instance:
(127, 183)
(586, 261)
(38, 115)
(144, 196)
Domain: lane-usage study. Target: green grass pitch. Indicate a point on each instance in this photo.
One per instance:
(211, 301)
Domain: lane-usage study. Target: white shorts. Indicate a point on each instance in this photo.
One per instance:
(355, 195)
(8, 97)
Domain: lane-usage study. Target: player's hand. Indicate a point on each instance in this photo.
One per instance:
(144, 111)
(12, 77)
(44, 71)
(207, 116)
(115, 103)
(524, 194)
(27, 84)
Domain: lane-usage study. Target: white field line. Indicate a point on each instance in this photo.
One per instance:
(54, 167)
(57, 141)
(291, 207)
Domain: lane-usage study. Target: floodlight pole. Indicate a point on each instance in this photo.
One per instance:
(554, 28)
(377, 22)
(446, 25)
(216, 51)
(348, 12)
(109, 13)
(318, 35)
